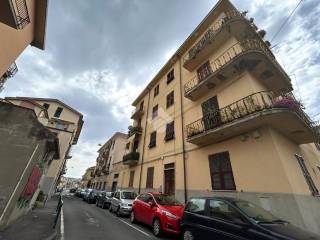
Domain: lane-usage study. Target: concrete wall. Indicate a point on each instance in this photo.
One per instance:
(22, 145)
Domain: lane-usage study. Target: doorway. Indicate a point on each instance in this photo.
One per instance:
(169, 179)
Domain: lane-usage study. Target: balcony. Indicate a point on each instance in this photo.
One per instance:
(131, 158)
(234, 23)
(12, 70)
(137, 113)
(14, 13)
(251, 55)
(134, 130)
(281, 112)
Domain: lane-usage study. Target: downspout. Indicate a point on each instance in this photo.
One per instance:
(182, 134)
(144, 139)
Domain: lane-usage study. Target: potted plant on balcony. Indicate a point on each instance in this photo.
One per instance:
(286, 102)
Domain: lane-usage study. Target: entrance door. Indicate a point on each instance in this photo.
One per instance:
(211, 114)
(169, 179)
(114, 186)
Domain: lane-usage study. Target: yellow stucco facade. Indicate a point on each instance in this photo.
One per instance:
(270, 143)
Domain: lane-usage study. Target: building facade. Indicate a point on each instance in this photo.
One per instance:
(109, 160)
(22, 22)
(27, 150)
(86, 180)
(66, 123)
(220, 119)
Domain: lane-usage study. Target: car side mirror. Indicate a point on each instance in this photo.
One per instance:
(151, 204)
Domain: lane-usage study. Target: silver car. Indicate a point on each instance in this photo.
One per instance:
(121, 202)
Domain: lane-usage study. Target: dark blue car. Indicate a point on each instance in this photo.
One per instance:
(231, 218)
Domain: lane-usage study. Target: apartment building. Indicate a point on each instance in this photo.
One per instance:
(87, 177)
(110, 160)
(22, 22)
(27, 150)
(66, 123)
(220, 119)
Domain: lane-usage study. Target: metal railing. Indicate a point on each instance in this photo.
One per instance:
(21, 13)
(235, 51)
(133, 130)
(210, 34)
(244, 107)
(131, 156)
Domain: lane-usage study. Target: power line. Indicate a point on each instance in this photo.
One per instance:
(287, 19)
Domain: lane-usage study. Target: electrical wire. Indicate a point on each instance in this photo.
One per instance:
(287, 19)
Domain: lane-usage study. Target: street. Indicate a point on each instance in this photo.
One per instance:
(81, 220)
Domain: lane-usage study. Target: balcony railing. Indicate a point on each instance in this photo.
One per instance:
(134, 130)
(131, 158)
(255, 103)
(21, 13)
(234, 52)
(136, 113)
(12, 70)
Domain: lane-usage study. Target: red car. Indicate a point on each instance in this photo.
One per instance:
(161, 211)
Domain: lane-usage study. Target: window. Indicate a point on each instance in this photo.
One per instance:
(58, 112)
(155, 111)
(46, 106)
(307, 175)
(170, 76)
(153, 139)
(116, 175)
(221, 172)
(196, 206)
(156, 91)
(150, 173)
(128, 145)
(131, 179)
(141, 105)
(104, 185)
(222, 210)
(204, 71)
(145, 198)
(169, 131)
(170, 99)
(114, 141)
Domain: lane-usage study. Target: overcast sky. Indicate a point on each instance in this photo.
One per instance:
(100, 54)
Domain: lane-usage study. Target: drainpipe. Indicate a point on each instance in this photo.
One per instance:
(144, 139)
(182, 134)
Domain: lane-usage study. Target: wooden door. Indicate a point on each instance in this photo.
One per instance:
(169, 179)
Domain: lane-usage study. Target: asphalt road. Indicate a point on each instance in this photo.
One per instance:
(81, 220)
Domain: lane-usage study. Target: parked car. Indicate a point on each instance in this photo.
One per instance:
(104, 199)
(85, 194)
(231, 218)
(121, 202)
(78, 192)
(92, 196)
(161, 211)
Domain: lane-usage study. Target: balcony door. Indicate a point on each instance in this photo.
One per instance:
(169, 179)
(211, 114)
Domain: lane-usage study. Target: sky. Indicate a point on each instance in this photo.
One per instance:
(101, 54)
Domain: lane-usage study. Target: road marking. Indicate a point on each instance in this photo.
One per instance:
(134, 227)
(62, 225)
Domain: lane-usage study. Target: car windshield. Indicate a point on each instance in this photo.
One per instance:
(128, 195)
(108, 194)
(166, 200)
(256, 213)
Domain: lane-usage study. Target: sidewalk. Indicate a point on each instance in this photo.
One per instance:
(36, 225)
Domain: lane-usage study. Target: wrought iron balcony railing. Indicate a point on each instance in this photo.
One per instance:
(130, 158)
(12, 70)
(234, 52)
(210, 34)
(134, 130)
(21, 13)
(257, 102)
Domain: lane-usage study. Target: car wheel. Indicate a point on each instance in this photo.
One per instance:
(118, 212)
(110, 209)
(188, 235)
(133, 217)
(156, 227)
